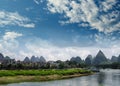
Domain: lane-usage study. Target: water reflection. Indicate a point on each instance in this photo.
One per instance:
(104, 78)
(101, 79)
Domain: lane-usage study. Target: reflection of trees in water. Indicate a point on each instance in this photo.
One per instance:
(101, 78)
(116, 78)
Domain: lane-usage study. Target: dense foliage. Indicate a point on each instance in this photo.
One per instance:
(114, 65)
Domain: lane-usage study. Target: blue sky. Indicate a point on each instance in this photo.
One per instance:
(59, 29)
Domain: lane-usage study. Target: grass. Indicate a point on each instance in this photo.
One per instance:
(42, 72)
(13, 76)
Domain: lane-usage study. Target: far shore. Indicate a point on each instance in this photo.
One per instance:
(41, 78)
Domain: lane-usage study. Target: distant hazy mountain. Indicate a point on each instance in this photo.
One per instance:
(114, 59)
(76, 59)
(33, 59)
(7, 58)
(37, 59)
(42, 59)
(88, 60)
(119, 58)
(1, 57)
(26, 59)
(100, 58)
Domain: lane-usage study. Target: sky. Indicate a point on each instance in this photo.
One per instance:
(59, 29)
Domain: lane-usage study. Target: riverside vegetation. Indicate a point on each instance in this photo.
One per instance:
(12, 76)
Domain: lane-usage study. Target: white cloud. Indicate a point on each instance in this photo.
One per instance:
(108, 4)
(58, 5)
(83, 25)
(9, 44)
(28, 25)
(13, 18)
(11, 35)
(87, 11)
(38, 1)
(1, 47)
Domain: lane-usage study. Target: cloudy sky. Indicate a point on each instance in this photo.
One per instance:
(59, 29)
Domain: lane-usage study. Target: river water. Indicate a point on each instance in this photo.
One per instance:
(106, 77)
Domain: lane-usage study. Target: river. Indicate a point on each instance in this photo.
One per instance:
(107, 77)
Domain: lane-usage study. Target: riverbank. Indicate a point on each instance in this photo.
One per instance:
(15, 76)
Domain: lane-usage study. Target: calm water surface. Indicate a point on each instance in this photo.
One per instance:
(106, 77)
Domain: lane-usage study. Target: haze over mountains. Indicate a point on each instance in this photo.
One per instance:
(35, 59)
(100, 58)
